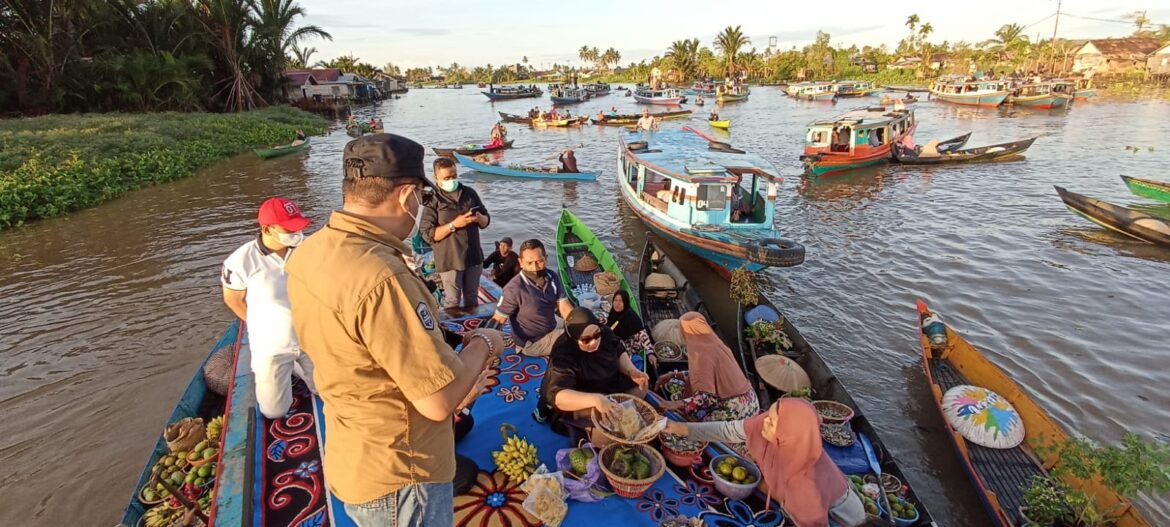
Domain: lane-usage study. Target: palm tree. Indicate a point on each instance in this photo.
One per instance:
(1008, 43)
(611, 56)
(684, 54)
(912, 22)
(584, 53)
(729, 42)
(275, 31)
(1139, 19)
(300, 58)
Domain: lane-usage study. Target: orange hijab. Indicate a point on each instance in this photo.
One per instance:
(713, 367)
(799, 474)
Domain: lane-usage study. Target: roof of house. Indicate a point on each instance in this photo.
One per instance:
(321, 74)
(1125, 48)
(300, 78)
(1163, 50)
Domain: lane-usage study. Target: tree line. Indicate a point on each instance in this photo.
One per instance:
(147, 55)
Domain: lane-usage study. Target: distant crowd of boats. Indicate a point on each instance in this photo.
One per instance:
(1033, 93)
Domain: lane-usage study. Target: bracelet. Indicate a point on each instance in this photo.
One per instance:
(491, 347)
(452, 227)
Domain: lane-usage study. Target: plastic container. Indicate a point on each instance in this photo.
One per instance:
(735, 491)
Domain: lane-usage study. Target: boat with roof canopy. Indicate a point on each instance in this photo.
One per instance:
(714, 200)
(855, 139)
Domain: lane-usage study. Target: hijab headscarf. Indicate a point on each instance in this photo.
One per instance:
(713, 367)
(800, 476)
(625, 323)
(579, 319)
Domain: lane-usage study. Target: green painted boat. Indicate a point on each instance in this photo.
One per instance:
(1148, 188)
(574, 241)
(282, 150)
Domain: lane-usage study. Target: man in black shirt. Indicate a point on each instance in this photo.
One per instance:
(506, 261)
(451, 224)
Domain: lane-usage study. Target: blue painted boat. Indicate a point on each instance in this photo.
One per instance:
(680, 183)
(512, 92)
(986, 93)
(568, 95)
(524, 172)
(196, 401)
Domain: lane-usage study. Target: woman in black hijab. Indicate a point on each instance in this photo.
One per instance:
(628, 327)
(587, 363)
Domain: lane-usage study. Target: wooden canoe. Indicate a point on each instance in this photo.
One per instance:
(1129, 222)
(1002, 475)
(282, 150)
(982, 154)
(825, 386)
(524, 172)
(470, 150)
(513, 118)
(1148, 188)
(628, 119)
(196, 401)
(574, 241)
(660, 304)
(722, 125)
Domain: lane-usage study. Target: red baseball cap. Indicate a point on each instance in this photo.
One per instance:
(282, 212)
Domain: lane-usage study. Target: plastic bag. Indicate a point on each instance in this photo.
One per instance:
(586, 488)
(546, 496)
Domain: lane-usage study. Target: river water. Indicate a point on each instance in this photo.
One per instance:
(106, 313)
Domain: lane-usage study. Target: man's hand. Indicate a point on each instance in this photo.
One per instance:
(464, 219)
(495, 336)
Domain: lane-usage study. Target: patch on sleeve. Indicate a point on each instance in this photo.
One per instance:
(424, 316)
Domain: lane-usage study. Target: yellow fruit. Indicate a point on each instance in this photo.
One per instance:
(739, 474)
(725, 469)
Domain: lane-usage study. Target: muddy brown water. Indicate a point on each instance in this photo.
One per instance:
(105, 313)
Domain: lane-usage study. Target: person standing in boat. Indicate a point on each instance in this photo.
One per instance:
(785, 442)
(389, 380)
(506, 262)
(646, 122)
(255, 288)
(451, 224)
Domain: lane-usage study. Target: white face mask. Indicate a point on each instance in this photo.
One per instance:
(416, 215)
(290, 239)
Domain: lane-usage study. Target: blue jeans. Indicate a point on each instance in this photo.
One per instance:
(421, 505)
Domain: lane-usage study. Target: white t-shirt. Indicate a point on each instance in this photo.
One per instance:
(260, 272)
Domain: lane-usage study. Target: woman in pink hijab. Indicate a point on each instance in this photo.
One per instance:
(785, 442)
(720, 390)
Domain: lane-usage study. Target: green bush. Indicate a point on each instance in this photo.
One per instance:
(55, 164)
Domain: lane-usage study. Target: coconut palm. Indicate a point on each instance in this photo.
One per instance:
(729, 42)
(300, 57)
(684, 55)
(1009, 42)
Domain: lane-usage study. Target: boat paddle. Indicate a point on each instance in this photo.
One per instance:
(871, 456)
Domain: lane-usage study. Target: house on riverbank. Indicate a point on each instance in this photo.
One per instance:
(331, 84)
(1159, 61)
(1106, 56)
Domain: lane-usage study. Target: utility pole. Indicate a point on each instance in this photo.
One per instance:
(1057, 23)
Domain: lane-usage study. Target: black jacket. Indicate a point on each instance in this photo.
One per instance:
(461, 250)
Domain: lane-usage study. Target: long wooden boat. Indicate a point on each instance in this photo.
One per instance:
(560, 123)
(525, 172)
(1148, 188)
(667, 96)
(1041, 95)
(1083, 90)
(971, 93)
(701, 88)
(661, 303)
(632, 118)
(982, 154)
(196, 401)
(507, 93)
(282, 150)
(735, 93)
(1002, 475)
(1129, 222)
(855, 139)
(854, 88)
(680, 183)
(471, 149)
(574, 241)
(513, 118)
(825, 386)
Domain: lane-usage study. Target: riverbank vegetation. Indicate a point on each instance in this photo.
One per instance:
(54, 164)
(917, 58)
(146, 55)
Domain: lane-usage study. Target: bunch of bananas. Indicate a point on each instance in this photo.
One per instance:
(516, 458)
(162, 517)
(214, 429)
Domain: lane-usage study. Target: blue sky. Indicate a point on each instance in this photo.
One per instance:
(439, 32)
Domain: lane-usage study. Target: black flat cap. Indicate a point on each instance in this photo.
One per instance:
(384, 155)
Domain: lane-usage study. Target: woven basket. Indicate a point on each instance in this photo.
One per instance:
(660, 285)
(632, 488)
(644, 409)
(184, 434)
(606, 283)
(839, 408)
(217, 372)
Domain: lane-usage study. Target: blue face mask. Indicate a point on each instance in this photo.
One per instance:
(449, 185)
